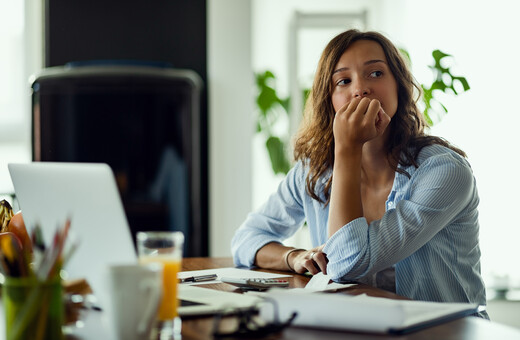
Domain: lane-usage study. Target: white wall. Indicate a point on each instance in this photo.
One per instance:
(230, 84)
(21, 53)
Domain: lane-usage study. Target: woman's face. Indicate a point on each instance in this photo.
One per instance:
(363, 71)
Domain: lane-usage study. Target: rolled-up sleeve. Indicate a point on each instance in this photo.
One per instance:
(276, 220)
(437, 195)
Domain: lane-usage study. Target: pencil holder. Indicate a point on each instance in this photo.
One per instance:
(33, 309)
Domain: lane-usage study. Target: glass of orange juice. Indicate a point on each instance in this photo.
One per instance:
(164, 247)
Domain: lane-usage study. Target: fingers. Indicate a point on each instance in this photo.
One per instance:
(316, 262)
(320, 260)
(382, 120)
(359, 121)
(356, 106)
(364, 110)
(312, 261)
(372, 111)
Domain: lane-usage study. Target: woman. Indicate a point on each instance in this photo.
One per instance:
(385, 203)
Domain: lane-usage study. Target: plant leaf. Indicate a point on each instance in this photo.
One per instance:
(406, 56)
(285, 104)
(438, 55)
(463, 82)
(427, 117)
(438, 85)
(263, 78)
(276, 150)
(443, 107)
(266, 99)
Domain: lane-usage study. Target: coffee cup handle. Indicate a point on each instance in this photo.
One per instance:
(153, 289)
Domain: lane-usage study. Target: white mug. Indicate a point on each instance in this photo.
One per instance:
(136, 292)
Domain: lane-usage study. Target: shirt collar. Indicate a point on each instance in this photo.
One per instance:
(401, 178)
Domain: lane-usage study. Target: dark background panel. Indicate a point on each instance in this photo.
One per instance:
(159, 30)
(165, 31)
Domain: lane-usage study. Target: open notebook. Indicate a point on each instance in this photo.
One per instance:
(361, 313)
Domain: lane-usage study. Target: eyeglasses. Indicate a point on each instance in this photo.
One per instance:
(249, 324)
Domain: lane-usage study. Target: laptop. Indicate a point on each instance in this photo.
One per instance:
(49, 192)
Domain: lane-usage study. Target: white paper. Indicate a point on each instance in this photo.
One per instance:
(212, 300)
(336, 286)
(320, 283)
(357, 313)
(228, 272)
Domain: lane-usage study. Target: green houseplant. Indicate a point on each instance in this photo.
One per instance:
(272, 107)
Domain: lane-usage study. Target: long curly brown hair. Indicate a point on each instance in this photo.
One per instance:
(315, 140)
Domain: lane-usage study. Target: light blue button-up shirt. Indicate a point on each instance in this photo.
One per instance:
(429, 232)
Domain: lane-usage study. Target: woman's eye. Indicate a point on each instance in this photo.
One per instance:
(376, 74)
(343, 81)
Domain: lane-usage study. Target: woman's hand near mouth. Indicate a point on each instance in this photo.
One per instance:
(359, 121)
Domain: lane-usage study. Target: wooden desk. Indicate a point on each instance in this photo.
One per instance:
(470, 328)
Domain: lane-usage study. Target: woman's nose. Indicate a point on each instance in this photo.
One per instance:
(361, 90)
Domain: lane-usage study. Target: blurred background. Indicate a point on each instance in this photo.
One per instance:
(227, 43)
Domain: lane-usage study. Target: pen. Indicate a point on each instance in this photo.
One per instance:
(200, 278)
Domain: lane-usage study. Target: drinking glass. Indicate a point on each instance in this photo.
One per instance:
(33, 309)
(164, 247)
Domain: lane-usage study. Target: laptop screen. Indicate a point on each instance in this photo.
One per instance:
(48, 193)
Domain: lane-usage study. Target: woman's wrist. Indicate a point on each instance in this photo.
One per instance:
(348, 152)
(286, 258)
